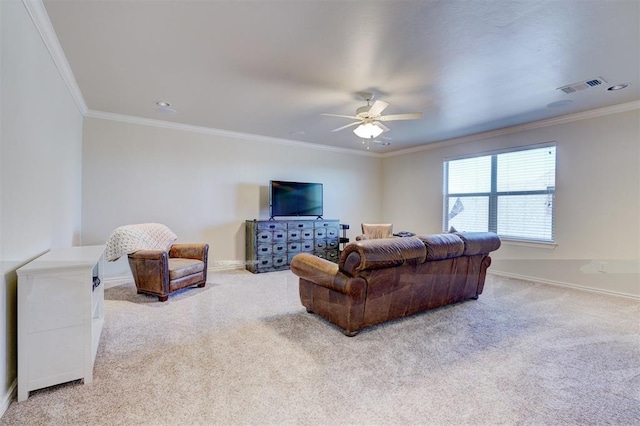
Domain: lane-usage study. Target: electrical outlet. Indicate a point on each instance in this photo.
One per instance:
(602, 267)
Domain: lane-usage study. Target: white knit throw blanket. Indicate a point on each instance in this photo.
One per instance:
(143, 236)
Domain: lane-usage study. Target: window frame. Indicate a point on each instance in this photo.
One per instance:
(494, 194)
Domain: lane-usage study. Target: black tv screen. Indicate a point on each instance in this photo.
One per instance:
(295, 198)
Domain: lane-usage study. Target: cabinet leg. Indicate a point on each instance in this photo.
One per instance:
(163, 298)
(202, 285)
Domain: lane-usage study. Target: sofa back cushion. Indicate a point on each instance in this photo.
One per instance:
(381, 253)
(479, 242)
(442, 246)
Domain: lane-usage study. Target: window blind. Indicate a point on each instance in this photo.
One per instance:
(509, 192)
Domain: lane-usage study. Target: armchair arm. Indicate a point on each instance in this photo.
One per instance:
(150, 270)
(190, 251)
(323, 273)
(148, 255)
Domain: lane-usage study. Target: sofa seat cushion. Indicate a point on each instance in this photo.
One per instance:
(179, 267)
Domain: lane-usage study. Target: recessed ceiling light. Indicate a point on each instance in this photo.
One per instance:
(559, 104)
(618, 87)
(163, 104)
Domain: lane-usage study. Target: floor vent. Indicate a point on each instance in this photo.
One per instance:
(575, 87)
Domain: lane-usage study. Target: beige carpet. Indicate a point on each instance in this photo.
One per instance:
(244, 351)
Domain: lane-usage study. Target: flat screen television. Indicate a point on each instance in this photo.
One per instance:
(295, 198)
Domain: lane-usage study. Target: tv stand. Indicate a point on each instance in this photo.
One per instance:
(271, 244)
(60, 317)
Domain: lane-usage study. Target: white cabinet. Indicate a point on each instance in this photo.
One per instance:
(60, 317)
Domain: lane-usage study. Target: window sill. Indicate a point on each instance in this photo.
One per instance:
(526, 243)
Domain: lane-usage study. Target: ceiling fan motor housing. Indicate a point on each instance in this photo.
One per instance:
(363, 111)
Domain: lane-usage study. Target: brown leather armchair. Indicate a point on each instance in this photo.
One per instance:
(161, 273)
(372, 231)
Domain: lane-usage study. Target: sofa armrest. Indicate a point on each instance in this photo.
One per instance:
(321, 272)
(190, 251)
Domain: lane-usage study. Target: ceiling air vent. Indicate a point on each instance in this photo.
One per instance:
(575, 87)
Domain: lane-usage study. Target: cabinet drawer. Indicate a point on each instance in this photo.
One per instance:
(325, 224)
(307, 245)
(307, 233)
(299, 224)
(270, 226)
(264, 249)
(279, 248)
(332, 232)
(294, 247)
(321, 244)
(294, 234)
(333, 255)
(332, 244)
(264, 237)
(279, 235)
(279, 261)
(264, 262)
(320, 233)
(52, 301)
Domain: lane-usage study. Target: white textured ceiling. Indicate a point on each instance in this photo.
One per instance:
(271, 68)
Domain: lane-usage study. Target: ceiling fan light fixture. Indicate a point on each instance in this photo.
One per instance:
(368, 131)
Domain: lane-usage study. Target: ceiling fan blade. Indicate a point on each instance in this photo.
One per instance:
(394, 117)
(348, 125)
(339, 115)
(382, 126)
(377, 108)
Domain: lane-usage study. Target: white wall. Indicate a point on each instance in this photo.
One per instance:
(204, 186)
(40, 157)
(597, 201)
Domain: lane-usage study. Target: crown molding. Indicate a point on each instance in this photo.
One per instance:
(569, 118)
(40, 18)
(217, 132)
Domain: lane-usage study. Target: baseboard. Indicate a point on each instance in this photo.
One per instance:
(116, 280)
(563, 284)
(219, 266)
(225, 265)
(9, 396)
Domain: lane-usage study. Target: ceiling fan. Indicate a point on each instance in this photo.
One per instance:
(369, 118)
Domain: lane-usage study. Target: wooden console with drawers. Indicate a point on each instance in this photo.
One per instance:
(271, 244)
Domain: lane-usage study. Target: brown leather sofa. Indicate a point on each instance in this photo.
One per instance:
(383, 279)
(160, 272)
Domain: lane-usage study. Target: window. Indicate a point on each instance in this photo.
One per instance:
(510, 193)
